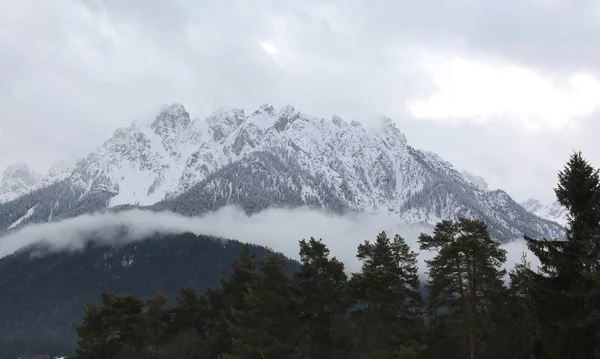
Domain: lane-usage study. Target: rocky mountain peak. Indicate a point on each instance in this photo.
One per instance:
(265, 108)
(16, 180)
(477, 181)
(532, 204)
(224, 121)
(173, 117)
(20, 173)
(286, 116)
(389, 128)
(551, 211)
(60, 170)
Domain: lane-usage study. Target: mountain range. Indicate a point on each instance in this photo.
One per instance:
(280, 158)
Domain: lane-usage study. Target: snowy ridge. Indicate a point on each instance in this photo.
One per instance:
(272, 157)
(17, 180)
(553, 211)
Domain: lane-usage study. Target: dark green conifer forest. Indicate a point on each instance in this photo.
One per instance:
(261, 311)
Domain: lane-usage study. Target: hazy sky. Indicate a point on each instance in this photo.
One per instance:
(506, 88)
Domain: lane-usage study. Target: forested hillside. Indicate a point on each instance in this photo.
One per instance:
(43, 292)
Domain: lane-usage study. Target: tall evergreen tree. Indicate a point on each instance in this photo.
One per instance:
(229, 295)
(389, 318)
(321, 284)
(114, 329)
(567, 288)
(265, 326)
(156, 321)
(189, 330)
(465, 278)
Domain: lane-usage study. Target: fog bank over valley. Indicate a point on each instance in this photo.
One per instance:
(280, 229)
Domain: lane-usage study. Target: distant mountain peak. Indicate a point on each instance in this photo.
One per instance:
(17, 179)
(59, 171)
(355, 123)
(477, 181)
(224, 121)
(388, 127)
(532, 204)
(551, 211)
(22, 173)
(265, 108)
(286, 116)
(173, 116)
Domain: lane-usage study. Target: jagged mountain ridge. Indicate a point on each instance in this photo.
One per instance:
(270, 158)
(19, 179)
(553, 212)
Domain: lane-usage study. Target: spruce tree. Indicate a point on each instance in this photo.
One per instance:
(465, 283)
(229, 295)
(189, 330)
(388, 318)
(114, 329)
(156, 322)
(321, 284)
(566, 297)
(264, 327)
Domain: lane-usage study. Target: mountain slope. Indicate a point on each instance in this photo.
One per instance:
(44, 292)
(267, 158)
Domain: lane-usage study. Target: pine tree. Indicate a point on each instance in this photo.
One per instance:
(321, 284)
(389, 318)
(566, 297)
(465, 280)
(265, 326)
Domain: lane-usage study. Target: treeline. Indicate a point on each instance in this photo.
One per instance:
(319, 312)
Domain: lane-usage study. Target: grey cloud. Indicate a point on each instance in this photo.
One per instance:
(74, 71)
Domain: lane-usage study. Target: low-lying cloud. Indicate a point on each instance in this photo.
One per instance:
(280, 229)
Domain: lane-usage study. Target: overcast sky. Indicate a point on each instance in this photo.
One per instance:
(506, 89)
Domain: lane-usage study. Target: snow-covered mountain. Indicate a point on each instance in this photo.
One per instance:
(270, 158)
(553, 211)
(477, 181)
(17, 180)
